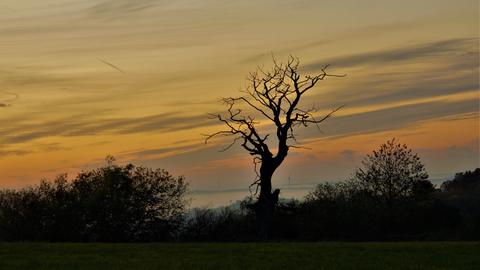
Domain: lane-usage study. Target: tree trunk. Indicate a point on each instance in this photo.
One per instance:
(265, 206)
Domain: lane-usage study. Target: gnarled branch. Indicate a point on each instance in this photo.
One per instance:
(275, 94)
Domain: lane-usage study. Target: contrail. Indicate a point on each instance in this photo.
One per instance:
(110, 65)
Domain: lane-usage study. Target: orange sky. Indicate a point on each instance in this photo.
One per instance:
(135, 79)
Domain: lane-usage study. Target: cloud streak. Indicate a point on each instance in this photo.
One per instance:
(384, 88)
(424, 51)
(84, 125)
(114, 8)
(391, 118)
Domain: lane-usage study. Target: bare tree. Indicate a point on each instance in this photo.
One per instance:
(274, 95)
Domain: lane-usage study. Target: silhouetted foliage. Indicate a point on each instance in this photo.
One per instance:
(221, 224)
(392, 175)
(392, 172)
(128, 203)
(349, 211)
(463, 193)
(113, 203)
(346, 211)
(467, 182)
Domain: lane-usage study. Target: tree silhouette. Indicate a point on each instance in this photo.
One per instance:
(112, 203)
(392, 173)
(273, 95)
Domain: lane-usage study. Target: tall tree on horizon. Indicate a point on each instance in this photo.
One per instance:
(274, 95)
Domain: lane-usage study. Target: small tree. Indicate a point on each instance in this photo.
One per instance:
(391, 173)
(275, 97)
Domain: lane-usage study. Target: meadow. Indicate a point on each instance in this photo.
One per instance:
(320, 255)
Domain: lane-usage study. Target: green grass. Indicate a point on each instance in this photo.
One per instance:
(220, 256)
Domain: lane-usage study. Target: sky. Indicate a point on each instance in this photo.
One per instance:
(80, 80)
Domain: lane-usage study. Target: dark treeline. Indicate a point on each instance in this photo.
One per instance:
(137, 204)
(347, 211)
(127, 203)
(109, 204)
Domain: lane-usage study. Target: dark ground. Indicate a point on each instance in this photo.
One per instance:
(323, 255)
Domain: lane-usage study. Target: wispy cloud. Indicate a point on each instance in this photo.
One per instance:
(424, 51)
(390, 118)
(405, 74)
(165, 151)
(121, 7)
(84, 125)
(37, 148)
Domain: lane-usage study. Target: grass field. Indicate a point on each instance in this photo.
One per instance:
(220, 256)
